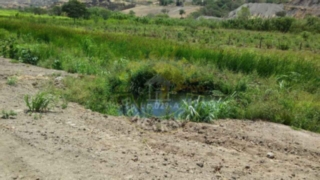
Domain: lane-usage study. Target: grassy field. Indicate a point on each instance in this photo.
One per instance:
(268, 75)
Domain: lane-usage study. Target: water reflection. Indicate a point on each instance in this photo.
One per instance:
(158, 104)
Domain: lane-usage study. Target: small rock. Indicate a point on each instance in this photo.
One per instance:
(270, 155)
(135, 159)
(200, 165)
(164, 164)
(134, 119)
(247, 167)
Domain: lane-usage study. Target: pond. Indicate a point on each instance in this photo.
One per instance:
(157, 104)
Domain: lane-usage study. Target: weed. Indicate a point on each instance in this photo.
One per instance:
(64, 104)
(8, 114)
(39, 103)
(12, 81)
(203, 111)
(37, 116)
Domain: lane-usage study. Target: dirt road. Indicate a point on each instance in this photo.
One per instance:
(76, 143)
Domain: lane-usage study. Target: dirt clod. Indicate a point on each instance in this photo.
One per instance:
(270, 155)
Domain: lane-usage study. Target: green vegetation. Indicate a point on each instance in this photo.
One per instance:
(39, 103)
(8, 114)
(74, 9)
(205, 111)
(265, 74)
(12, 81)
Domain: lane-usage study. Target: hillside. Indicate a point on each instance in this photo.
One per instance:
(301, 8)
(264, 10)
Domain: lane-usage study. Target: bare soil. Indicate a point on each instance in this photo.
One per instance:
(143, 10)
(76, 143)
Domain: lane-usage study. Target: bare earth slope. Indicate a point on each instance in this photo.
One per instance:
(76, 143)
(142, 10)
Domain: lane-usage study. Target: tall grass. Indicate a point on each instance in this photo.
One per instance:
(134, 47)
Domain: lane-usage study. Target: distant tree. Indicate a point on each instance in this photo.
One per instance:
(38, 11)
(165, 2)
(132, 13)
(182, 12)
(179, 3)
(281, 13)
(283, 24)
(95, 2)
(244, 13)
(165, 11)
(75, 9)
(56, 10)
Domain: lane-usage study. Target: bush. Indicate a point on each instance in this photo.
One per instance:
(28, 57)
(139, 78)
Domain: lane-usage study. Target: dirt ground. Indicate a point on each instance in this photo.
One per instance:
(143, 10)
(76, 143)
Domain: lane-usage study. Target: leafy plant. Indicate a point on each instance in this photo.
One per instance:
(39, 103)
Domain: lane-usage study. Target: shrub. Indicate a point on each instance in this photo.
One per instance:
(28, 57)
(138, 80)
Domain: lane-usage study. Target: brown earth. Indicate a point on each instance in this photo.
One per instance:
(143, 10)
(76, 143)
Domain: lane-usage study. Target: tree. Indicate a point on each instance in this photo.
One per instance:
(244, 13)
(75, 9)
(179, 3)
(281, 13)
(165, 11)
(165, 2)
(56, 10)
(182, 12)
(39, 11)
(132, 13)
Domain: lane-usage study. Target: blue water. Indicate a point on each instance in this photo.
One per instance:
(157, 104)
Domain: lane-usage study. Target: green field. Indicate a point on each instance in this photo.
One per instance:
(268, 75)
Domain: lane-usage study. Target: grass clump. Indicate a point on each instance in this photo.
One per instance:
(8, 114)
(12, 81)
(39, 103)
(200, 110)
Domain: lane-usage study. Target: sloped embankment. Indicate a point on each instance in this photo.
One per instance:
(76, 143)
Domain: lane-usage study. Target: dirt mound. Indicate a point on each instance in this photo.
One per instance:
(264, 10)
(76, 143)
